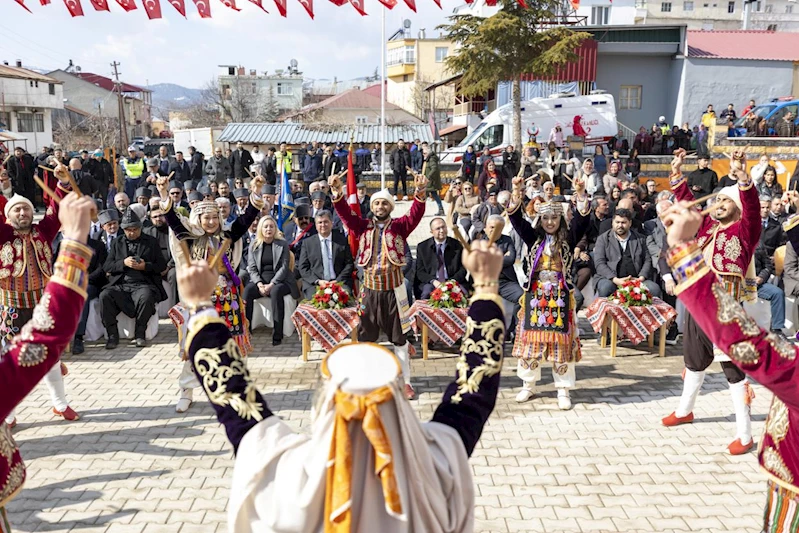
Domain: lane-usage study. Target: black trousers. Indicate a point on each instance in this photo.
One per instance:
(134, 300)
(512, 292)
(699, 352)
(279, 291)
(93, 292)
(380, 314)
(400, 176)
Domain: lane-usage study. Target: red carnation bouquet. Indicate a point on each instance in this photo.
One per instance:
(632, 293)
(447, 295)
(330, 295)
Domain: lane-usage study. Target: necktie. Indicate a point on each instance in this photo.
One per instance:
(765, 223)
(110, 240)
(441, 274)
(329, 253)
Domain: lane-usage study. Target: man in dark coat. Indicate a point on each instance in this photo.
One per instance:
(180, 169)
(240, 160)
(21, 168)
(103, 173)
(438, 259)
(704, 179)
(312, 169)
(159, 230)
(134, 267)
(196, 164)
(399, 161)
(325, 257)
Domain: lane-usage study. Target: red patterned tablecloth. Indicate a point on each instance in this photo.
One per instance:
(326, 326)
(636, 323)
(448, 325)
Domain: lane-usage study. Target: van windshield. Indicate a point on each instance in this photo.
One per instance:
(473, 135)
(484, 137)
(761, 111)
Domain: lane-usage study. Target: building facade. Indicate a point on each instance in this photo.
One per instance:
(771, 15)
(28, 100)
(350, 108)
(247, 96)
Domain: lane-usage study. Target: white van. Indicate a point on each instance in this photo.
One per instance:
(595, 114)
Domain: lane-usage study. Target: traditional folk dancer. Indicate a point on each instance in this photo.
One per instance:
(37, 347)
(368, 464)
(547, 323)
(381, 254)
(728, 238)
(767, 357)
(26, 263)
(204, 235)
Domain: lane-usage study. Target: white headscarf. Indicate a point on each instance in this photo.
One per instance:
(279, 479)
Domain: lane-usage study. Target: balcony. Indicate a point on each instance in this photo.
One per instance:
(473, 107)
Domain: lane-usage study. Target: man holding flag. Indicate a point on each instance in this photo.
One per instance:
(381, 254)
(285, 204)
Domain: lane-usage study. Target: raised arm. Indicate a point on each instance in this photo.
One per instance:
(751, 223)
(470, 398)
(50, 224)
(243, 222)
(354, 223)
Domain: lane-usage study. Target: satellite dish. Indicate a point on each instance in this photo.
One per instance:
(406, 23)
(293, 63)
(77, 69)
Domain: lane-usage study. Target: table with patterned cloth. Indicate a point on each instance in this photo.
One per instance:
(636, 323)
(328, 327)
(448, 325)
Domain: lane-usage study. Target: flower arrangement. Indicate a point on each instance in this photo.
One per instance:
(632, 293)
(448, 295)
(330, 295)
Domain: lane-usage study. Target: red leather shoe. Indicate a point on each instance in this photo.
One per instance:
(13, 424)
(736, 448)
(68, 414)
(64, 370)
(674, 420)
(409, 392)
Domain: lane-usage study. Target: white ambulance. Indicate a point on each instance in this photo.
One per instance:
(592, 116)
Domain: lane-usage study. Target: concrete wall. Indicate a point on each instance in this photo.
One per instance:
(20, 93)
(723, 81)
(348, 116)
(85, 96)
(622, 12)
(653, 73)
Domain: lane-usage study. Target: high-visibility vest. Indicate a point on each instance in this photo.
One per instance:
(134, 169)
(665, 129)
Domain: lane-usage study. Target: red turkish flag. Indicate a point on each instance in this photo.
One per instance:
(100, 5)
(438, 3)
(231, 4)
(391, 3)
(358, 5)
(74, 7)
(22, 3)
(339, 3)
(259, 4)
(203, 8)
(44, 2)
(153, 9)
(491, 3)
(179, 5)
(411, 4)
(308, 5)
(281, 7)
(127, 5)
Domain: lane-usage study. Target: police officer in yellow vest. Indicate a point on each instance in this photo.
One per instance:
(133, 167)
(665, 129)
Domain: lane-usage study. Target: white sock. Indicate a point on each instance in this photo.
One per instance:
(743, 421)
(55, 384)
(403, 355)
(563, 392)
(690, 390)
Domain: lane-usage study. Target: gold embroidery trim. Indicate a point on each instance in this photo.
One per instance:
(199, 323)
(489, 348)
(215, 376)
(730, 311)
(781, 346)
(778, 421)
(774, 464)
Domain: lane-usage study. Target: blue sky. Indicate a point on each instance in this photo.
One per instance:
(338, 42)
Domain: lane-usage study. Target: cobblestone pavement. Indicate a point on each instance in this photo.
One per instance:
(132, 464)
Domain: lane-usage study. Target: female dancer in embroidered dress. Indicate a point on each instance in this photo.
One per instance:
(203, 233)
(547, 325)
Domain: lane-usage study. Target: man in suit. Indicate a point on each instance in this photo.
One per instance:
(330, 163)
(181, 168)
(438, 260)
(240, 160)
(621, 255)
(772, 236)
(97, 280)
(109, 222)
(326, 257)
(134, 267)
(364, 199)
(165, 161)
(770, 292)
(159, 230)
(509, 287)
(299, 229)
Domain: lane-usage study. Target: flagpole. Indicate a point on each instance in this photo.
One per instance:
(383, 98)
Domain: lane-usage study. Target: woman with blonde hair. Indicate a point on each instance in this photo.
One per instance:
(270, 274)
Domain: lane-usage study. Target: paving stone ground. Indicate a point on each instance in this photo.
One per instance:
(132, 464)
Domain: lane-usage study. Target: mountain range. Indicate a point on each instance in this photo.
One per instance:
(168, 96)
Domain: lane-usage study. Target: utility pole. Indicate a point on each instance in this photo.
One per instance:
(123, 130)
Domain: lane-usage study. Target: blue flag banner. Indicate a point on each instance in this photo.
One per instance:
(285, 205)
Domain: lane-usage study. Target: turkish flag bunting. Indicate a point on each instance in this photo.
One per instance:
(100, 5)
(44, 2)
(491, 3)
(22, 3)
(127, 5)
(281, 7)
(231, 4)
(308, 5)
(179, 5)
(153, 9)
(259, 4)
(203, 8)
(74, 7)
(391, 3)
(438, 3)
(358, 5)
(411, 4)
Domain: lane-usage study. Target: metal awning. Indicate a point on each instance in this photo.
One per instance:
(452, 129)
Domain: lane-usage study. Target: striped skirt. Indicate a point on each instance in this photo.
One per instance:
(782, 510)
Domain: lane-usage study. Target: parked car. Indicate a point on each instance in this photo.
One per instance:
(771, 113)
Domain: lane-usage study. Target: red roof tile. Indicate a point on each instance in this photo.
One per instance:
(108, 83)
(756, 45)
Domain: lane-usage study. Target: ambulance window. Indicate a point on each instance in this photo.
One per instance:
(490, 138)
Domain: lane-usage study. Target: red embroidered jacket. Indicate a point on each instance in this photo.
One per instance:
(394, 232)
(769, 359)
(734, 246)
(28, 357)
